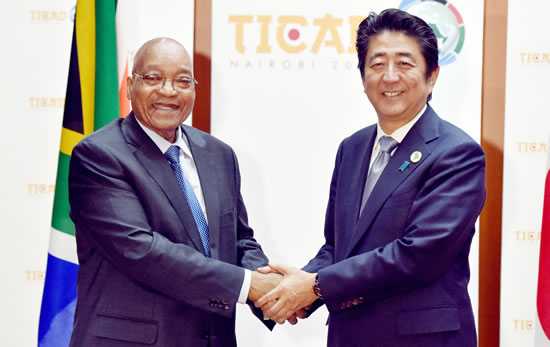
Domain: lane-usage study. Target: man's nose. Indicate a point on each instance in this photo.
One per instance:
(390, 73)
(167, 88)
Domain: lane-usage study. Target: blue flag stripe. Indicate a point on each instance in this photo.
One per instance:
(60, 291)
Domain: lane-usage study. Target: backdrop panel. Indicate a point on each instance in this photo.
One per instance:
(286, 91)
(525, 150)
(37, 42)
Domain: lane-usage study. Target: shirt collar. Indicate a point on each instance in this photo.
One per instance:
(163, 145)
(399, 134)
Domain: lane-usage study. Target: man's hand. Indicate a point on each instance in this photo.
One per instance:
(293, 294)
(260, 284)
(293, 319)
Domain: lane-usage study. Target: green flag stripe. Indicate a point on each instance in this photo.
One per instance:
(106, 75)
(60, 219)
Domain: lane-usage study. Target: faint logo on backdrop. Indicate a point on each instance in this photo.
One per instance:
(445, 21)
(534, 58)
(40, 188)
(532, 147)
(35, 275)
(528, 236)
(44, 102)
(52, 16)
(526, 325)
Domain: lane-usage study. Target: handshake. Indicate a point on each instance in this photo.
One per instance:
(283, 293)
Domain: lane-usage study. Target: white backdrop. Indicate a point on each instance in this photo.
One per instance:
(284, 113)
(37, 43)
(525, 151)
(285, 100)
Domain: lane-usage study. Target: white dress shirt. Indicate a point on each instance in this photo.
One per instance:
(398, 135)
(192, 176)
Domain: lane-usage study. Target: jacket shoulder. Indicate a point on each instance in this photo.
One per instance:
(107, 134)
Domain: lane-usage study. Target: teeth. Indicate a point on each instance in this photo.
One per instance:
(391, 93)
(164, 107)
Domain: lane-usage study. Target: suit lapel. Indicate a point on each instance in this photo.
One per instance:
(206, 167)
(424, 131)
(152, 160)
(351, 185)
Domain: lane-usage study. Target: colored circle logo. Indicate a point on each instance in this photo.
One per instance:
(445, 21)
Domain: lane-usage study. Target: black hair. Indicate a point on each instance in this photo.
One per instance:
(400, 21)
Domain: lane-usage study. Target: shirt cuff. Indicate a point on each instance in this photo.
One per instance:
(245, 287)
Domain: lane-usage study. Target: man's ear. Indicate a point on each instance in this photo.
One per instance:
(129, 86)
(433, 77)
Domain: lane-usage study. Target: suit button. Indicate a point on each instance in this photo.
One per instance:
(205, 336)
(226, 307)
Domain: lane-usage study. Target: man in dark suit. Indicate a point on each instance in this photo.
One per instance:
(161, 228)
(404, 199)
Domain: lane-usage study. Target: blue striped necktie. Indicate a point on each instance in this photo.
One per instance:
(173, 156)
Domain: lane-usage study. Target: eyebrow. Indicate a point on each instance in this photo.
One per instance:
(381, 54)
(157, 67)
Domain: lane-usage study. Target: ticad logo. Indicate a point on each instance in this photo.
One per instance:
(47, 16)
(43, 102)
(35, 275)
(527, 325)
(535, 58)
(532, 147)
(445, 21)
(528, 236)
(295, 33)
(40, 189)
(291, 42)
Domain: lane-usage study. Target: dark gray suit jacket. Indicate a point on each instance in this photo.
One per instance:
(143, 277)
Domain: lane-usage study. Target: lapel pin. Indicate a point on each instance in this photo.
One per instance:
(416, 156)
(404, 166)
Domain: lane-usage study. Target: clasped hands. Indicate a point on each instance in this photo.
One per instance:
(282, 292)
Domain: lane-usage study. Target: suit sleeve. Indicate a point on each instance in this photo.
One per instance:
(440, 225)
(110, 217)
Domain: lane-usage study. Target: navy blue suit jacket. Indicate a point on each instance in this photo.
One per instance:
(143, 277)
(397, 275)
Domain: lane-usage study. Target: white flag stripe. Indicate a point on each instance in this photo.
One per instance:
(63, 246)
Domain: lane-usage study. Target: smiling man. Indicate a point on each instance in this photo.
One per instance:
(161, 228)
(404, 198)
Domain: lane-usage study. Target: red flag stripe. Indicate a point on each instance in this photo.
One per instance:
(543, 290)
